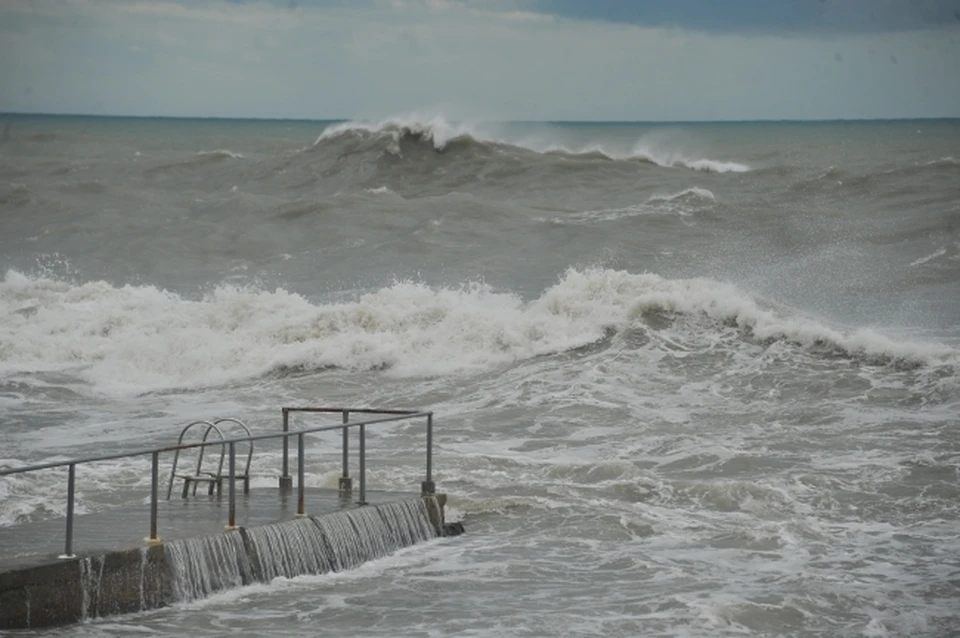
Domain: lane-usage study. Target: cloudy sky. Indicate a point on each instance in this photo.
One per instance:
(493, 59)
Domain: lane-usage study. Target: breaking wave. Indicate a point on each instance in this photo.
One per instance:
(436, 131)
(442, 135)
(133, 339)
(692, 194)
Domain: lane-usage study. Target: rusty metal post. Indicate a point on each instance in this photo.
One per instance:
(428, 486)
(233, 486)
(71, 492)
(346, 483)
(363, 466)
(154, 480)
(301, 496)
(286, 481)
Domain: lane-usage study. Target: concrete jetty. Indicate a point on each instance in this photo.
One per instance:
(207, 542)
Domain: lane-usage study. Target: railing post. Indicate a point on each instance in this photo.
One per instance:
(71, 485)
(428, 486)
(301, 496)
(232, 523)
(154, 480)
(346, 483)
(363, 465)
(286, 482)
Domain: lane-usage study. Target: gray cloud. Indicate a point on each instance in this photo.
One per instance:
(780, 16)
(490, 60)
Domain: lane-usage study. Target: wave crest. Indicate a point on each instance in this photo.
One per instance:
(693, 193)
(441, 133)
(435, 130)
(133, 339)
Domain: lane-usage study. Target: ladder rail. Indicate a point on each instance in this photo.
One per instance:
(223, 449)
(176, 455)
(246, 430)
(246, 470)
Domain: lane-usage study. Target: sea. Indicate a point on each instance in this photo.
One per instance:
(688, 379)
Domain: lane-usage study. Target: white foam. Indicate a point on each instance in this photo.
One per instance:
(659, 153)
(655, 148)
(682, 203)
(614, 214)
(937, 253)
(694, 192)
(24, 497)
(712, 166)
(220, 153)
(133, 339)
(433, 128)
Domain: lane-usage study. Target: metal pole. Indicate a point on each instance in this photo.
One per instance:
(428, 486)
(346, 445)
(363, 466)
(154, 479)
(233, 486)
(346, 483)
(71, 485)
(430, 447)
(286, 483)
(300, 487)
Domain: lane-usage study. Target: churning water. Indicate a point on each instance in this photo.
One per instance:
(688, 380)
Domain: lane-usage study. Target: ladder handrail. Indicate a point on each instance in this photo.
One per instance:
(203, 446)
(230, 419)
(223, 450)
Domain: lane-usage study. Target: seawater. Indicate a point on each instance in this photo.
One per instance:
(691, 379)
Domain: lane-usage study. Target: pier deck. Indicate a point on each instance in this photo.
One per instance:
(40, 543)
(154, 552)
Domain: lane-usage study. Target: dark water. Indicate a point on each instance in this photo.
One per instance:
(689, 379)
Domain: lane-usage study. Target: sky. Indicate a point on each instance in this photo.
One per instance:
(626, 60)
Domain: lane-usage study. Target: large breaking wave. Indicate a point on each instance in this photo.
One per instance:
(133, 339)
(442, 134)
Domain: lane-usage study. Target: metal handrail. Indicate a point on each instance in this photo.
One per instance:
(213, 426)
(427, 487)
(176, 456)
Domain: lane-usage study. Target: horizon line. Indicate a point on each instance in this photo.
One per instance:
(504, 121)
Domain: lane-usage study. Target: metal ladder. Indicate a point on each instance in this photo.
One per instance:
(213, 479)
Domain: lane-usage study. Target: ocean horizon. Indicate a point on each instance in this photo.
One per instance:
(473, 119)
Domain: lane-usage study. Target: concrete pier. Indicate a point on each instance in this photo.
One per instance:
(118, 570)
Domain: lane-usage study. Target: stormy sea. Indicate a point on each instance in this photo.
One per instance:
(688, 379)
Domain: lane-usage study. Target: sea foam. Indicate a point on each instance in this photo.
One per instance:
(131, 339)
(655, 149)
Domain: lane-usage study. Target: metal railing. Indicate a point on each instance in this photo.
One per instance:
(427, 486)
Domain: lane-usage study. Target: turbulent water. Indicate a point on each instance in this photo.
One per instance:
(688, 380)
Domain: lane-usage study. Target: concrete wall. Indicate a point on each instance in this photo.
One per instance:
(116, 582)
(75, 589)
